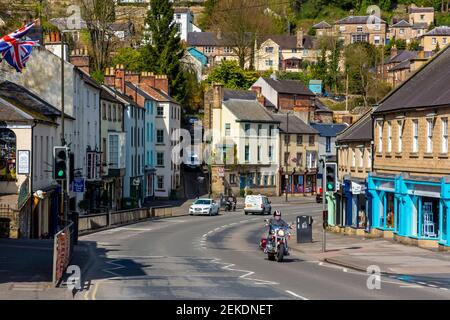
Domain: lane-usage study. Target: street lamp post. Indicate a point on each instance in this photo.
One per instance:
(286, 141)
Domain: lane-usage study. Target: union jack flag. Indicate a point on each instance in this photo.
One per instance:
(15, 50)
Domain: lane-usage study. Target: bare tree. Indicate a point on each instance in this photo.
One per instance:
(239, 23)
(99, 14)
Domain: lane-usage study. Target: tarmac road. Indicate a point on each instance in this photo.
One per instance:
(202, 257)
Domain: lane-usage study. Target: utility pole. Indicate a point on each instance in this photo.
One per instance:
(63, 140)
(286, 141)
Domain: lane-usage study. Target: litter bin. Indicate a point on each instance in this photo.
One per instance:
(304, 229)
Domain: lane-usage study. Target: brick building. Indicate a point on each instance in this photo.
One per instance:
(410, 184)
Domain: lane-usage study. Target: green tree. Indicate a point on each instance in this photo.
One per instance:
(414, 45)
(232, 76)
(163, 51)
(130, 58)
(360, 58)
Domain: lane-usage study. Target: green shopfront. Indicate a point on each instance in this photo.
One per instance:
(411, 207)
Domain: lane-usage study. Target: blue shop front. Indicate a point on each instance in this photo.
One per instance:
(413, 207)
(352, 204)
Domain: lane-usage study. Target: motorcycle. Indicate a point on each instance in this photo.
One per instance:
(230, 205)
(275, 245)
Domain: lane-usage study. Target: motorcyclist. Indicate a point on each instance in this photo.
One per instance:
(277, 222)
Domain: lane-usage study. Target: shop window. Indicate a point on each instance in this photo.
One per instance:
(7, 155)
(389, 213)
(429, 219)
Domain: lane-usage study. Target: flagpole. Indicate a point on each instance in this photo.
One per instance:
(63, 140)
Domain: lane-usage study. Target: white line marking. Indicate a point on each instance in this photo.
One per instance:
(412, 287)
(444, 289)
(432, 285)
(296, 295)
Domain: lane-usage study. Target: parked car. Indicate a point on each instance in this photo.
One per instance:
(204, 206)
(257, 204)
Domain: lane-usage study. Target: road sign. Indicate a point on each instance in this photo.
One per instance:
(221, 172)
(78, 185)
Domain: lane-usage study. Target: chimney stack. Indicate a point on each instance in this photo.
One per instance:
(80, 58)
(300, 36)
(394, 51)
(217, 95)
(162, 83)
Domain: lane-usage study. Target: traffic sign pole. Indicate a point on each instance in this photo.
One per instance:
(324, 215)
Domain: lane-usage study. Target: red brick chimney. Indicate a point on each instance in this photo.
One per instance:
(148, 78)
(80, 58)
(256, 89)
(162, 83)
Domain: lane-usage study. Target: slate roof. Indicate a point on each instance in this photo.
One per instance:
(428, 87)
(290, 41)
(321, 107)
(27, 101)
(9, 112)
(248, 111)
(361, 130)
(403, 55)
(105, 95)
(289, 86)
(202, 39)
(420, 25)
(151, 93)
(439, 31)
(322, 25)
(420, 9)
(402, 65)
(329, 129)
(238, 94)
(401, 24)
(119, 95)
(358, 20)
(296, 125)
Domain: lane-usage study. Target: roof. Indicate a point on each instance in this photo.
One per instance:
(290, 41)
(420, 9)
(322, 25)
(150, 93)
(403, 55)
(105, 95)
(296, 125)
(329, 129)
(238, 94)
(321, 107)
(439, 31)
(248, 111)
(425, 88)
(420, 25)
(360, 20)
(401, 24)
(12, 113)
(361, 130)
(181, 10)
(27, 101)
(87, 78)
(289, 86)
(401, 66)
(202, 39)
(119, 95)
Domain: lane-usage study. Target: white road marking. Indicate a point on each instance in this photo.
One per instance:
(412, 286)
(445, 289)
(296, 295)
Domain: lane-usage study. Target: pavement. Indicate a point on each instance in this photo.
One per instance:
(202, 257)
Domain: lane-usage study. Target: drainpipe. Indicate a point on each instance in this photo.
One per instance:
(31, 175)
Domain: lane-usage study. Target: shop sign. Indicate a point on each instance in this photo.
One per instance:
(356, 188)
(23, 157)
(78, 185)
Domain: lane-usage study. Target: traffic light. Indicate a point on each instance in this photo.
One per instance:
(60, 163)
(331, 176)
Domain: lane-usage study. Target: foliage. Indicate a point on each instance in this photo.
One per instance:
(231, 20)
(98, 15)
(131, 58)
(301, 76)
(163, 51)
(232, 76)
(98, 76)
(360, 58)
(414, 45)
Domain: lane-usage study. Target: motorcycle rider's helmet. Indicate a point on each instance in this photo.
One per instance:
(277, 215)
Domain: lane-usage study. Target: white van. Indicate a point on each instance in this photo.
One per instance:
(257, 204)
